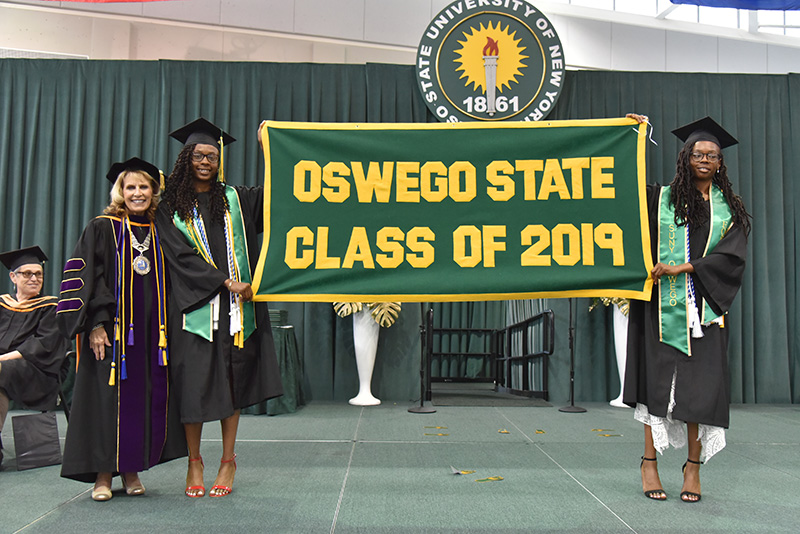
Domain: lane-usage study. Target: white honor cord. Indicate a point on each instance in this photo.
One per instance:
(215, 311)
(235, 313)
(236, 316)
(694, 318)
(694, 315)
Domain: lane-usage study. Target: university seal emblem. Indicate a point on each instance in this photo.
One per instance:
(490, 60)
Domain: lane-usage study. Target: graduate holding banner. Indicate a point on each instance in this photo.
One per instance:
(223, 353)
(469, 211)
(677, 361)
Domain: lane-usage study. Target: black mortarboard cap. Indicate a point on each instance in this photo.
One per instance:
(14, 258)
(133, 164)
(201, 131)
(705, 129)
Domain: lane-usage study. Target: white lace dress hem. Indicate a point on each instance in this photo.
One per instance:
(667, 431)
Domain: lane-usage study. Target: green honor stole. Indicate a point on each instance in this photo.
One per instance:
(201, 321)
(676, 293)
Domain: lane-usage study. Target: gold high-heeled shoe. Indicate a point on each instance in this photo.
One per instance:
(103, 493)
(134, 489)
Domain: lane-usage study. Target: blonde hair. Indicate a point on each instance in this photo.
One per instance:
(117, 204)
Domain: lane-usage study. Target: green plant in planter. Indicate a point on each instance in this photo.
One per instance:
(384, 313)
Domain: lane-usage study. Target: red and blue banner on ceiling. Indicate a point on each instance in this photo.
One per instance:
(738, 4)
(107, 1)
(753, 5)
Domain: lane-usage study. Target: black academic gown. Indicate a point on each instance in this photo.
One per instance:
(213, 379)
(133, 424)
(702, 386)
(30, 327)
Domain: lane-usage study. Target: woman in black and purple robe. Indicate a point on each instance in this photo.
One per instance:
(113, 298)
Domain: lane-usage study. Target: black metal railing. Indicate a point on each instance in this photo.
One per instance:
(515, 357)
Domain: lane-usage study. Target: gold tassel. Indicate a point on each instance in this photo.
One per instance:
(77, 351)
(162, 337)
(221, 172)
(112, 379)
(240, 333)
(161, 182)
(116, 330)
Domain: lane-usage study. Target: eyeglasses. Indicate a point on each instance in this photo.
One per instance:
(27, 275)
(698, 156)
(198, 157)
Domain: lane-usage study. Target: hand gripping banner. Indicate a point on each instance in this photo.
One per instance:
(454, 211)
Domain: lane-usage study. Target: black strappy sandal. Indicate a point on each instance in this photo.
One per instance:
(685, 494)
(656, 494)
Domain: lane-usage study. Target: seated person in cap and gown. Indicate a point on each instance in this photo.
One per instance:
(32, 350)
(676, 373)
(223, 352)
(113, 298)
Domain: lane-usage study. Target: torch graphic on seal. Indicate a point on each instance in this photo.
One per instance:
(490, 54)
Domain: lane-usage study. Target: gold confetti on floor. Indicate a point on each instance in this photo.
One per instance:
(461, 471)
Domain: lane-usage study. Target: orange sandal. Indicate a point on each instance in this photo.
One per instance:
(219, 490)
(196, 491)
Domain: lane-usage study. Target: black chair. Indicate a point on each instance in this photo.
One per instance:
(67, 365)
(60, 399)
(36, 439)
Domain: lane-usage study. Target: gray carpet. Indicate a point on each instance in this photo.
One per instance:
(339, 469)
(478, 394)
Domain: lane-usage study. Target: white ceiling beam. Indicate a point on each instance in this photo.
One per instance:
(663, 15)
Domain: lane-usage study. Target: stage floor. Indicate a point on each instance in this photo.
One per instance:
(331, 467)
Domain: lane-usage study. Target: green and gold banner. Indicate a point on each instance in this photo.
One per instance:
(454, 211)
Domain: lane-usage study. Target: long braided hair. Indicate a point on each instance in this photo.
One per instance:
(179, 191)
(688, 200)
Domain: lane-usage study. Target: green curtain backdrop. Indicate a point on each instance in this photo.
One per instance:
(489, 314)
(63, 122)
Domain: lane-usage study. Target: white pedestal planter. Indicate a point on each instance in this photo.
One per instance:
(621, 348)
(365, 339)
